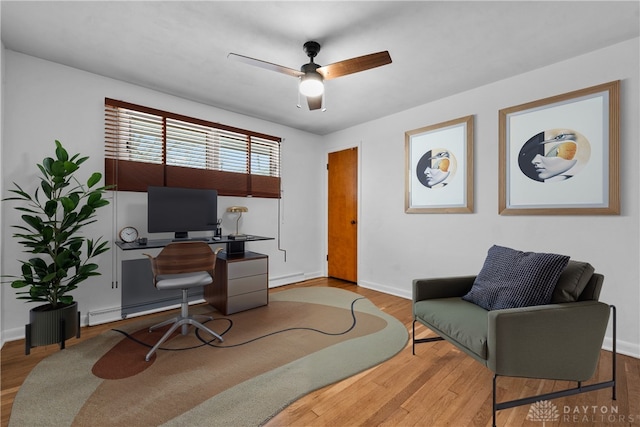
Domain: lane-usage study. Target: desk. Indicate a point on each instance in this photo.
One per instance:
(234, 246)
(237, 273)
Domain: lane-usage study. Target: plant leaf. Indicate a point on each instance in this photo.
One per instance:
(94, 179)
(33, 221)
(81, 160)
(23, 194)
(61, 153)
(66, 299)
(101, 248)
(50, 208)
(47, 164)
(46, 187)
(68, 204)
(70, 167)
(19, 284)
(49, 277)
(57, 169)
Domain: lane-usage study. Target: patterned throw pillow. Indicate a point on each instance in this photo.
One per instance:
(510, 278)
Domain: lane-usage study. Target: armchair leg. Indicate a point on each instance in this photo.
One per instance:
(421, 340)
(413, 338)
(494, 405)
(614, 351)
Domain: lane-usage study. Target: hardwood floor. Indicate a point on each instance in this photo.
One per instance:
(439, 386)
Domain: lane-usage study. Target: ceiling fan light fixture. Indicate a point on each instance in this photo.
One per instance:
(311, 80)
(311, 84)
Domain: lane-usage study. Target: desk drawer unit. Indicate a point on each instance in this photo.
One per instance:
(240, 283)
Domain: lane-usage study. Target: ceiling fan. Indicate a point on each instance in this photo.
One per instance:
(312, 75)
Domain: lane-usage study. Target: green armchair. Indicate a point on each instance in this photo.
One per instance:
(559, 341)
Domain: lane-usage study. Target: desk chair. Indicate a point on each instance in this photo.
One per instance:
(182, 266)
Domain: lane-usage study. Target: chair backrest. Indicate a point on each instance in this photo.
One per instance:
(591, 292)
(184, 257)
(578, 282)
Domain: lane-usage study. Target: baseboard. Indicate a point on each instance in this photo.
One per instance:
(12, 335)
(622, 347)
(288, 279)
(386, 289)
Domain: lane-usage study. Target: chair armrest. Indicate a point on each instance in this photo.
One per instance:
(445, 287)
(555, 341)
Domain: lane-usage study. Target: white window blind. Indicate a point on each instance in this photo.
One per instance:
(183, 151)
(133, 135)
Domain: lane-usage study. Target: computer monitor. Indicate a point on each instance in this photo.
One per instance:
(181, 210)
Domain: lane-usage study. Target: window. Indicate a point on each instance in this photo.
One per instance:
(145, 146)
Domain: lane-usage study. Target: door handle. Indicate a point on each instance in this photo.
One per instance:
(353, 222)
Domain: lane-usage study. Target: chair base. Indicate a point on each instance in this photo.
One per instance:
(547, 396)
(180, 321)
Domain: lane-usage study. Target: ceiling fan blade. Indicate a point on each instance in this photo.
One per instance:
(355, 65)
(265, 65)
(315, 102)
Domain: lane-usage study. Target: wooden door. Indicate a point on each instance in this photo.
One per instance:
(343, 214)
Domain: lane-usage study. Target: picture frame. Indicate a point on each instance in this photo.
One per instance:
(439, 167)
(560, 155)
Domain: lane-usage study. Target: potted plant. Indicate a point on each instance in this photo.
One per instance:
(54, 216)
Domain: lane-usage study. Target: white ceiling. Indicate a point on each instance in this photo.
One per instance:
(438, 48)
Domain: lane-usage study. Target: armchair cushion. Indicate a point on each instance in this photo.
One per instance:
(572, 282)
(510, 278)
(463, 323)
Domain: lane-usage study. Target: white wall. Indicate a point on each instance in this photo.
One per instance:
(396, 247)
(45, 101)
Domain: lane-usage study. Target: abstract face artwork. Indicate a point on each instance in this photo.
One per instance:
(554, 155)
(436, 168)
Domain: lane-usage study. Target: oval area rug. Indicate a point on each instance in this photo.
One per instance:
(305, 339)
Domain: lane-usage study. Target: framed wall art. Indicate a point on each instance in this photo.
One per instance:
(439, 168)
(560, 155)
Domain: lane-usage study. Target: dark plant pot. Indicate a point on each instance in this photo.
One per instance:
(47, 326)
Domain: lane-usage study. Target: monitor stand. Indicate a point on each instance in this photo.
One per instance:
(183, 236)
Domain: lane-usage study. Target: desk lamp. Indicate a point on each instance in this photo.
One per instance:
(238, 210)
